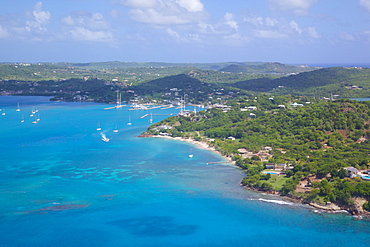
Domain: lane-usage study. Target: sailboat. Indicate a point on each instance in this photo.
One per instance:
(18, 109)
(3, 112)
(151, 118)
(115, 129)
(191, 154)
(98, 127)
(22, 121)
(35, 122)
(32, 112)
(129, 121)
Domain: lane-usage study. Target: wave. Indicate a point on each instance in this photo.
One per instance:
(276, 201)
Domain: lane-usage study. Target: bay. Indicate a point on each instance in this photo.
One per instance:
(61, 185)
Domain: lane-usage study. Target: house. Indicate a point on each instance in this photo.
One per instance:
(252, 108)
(268, 148)
(352, 172)
(270, 166)
(295, 104)
(281, 166)
(242, 150)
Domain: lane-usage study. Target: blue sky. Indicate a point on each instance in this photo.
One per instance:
(287, 31)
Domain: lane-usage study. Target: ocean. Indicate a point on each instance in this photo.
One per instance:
(61, 185)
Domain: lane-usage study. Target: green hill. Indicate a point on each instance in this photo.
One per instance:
(266, 68)
(316, 141)
(346, 82)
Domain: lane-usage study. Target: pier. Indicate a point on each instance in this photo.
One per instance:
(144, 116)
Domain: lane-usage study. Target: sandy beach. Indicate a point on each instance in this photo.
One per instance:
(202, 145)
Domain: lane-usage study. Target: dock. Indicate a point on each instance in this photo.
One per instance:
(115, 107)
(144, 116)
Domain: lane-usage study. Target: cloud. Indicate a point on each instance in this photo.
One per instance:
(299, 7)
(366, 4)
(40, 18)
(84, 26)
(272, 28)
(191, 5)
(83, 34)
(166, 12)
(230, 21)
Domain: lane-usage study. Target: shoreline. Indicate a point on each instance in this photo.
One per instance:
(332, 208)
(200, 144)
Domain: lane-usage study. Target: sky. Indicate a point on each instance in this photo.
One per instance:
(192, 31)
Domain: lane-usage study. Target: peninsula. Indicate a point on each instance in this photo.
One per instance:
(314, 151)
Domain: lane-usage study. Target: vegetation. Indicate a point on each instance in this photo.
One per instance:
(258, 113)
(345, 82)
(317, 140)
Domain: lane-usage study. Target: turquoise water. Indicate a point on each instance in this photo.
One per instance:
(61, 185)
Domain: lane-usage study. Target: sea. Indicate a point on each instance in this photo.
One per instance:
(62, 185)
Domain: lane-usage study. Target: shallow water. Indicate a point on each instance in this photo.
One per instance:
(61, 185)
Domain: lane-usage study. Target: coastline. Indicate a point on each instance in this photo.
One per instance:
(200, 144)
(332, 208)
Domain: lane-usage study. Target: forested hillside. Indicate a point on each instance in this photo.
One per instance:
(345, 82)
(318, 139)
(267, 68)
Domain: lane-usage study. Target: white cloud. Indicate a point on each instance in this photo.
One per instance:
(139, 3)
(166, 12)
(39, 18)
(3, 33)
(299, 7)
(230, 21)
(83, 34)
(272, 28)
(294, 26)
(84, 26)
(68, 21)
(366, 4)
(191, 5)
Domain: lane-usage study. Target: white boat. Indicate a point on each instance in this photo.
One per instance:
(3, 112)
(191, 154)
(151, 118)
(18, 109)
(104, 138)
(129, 121)
(115, 129)
(98, 126)
(22, 121)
